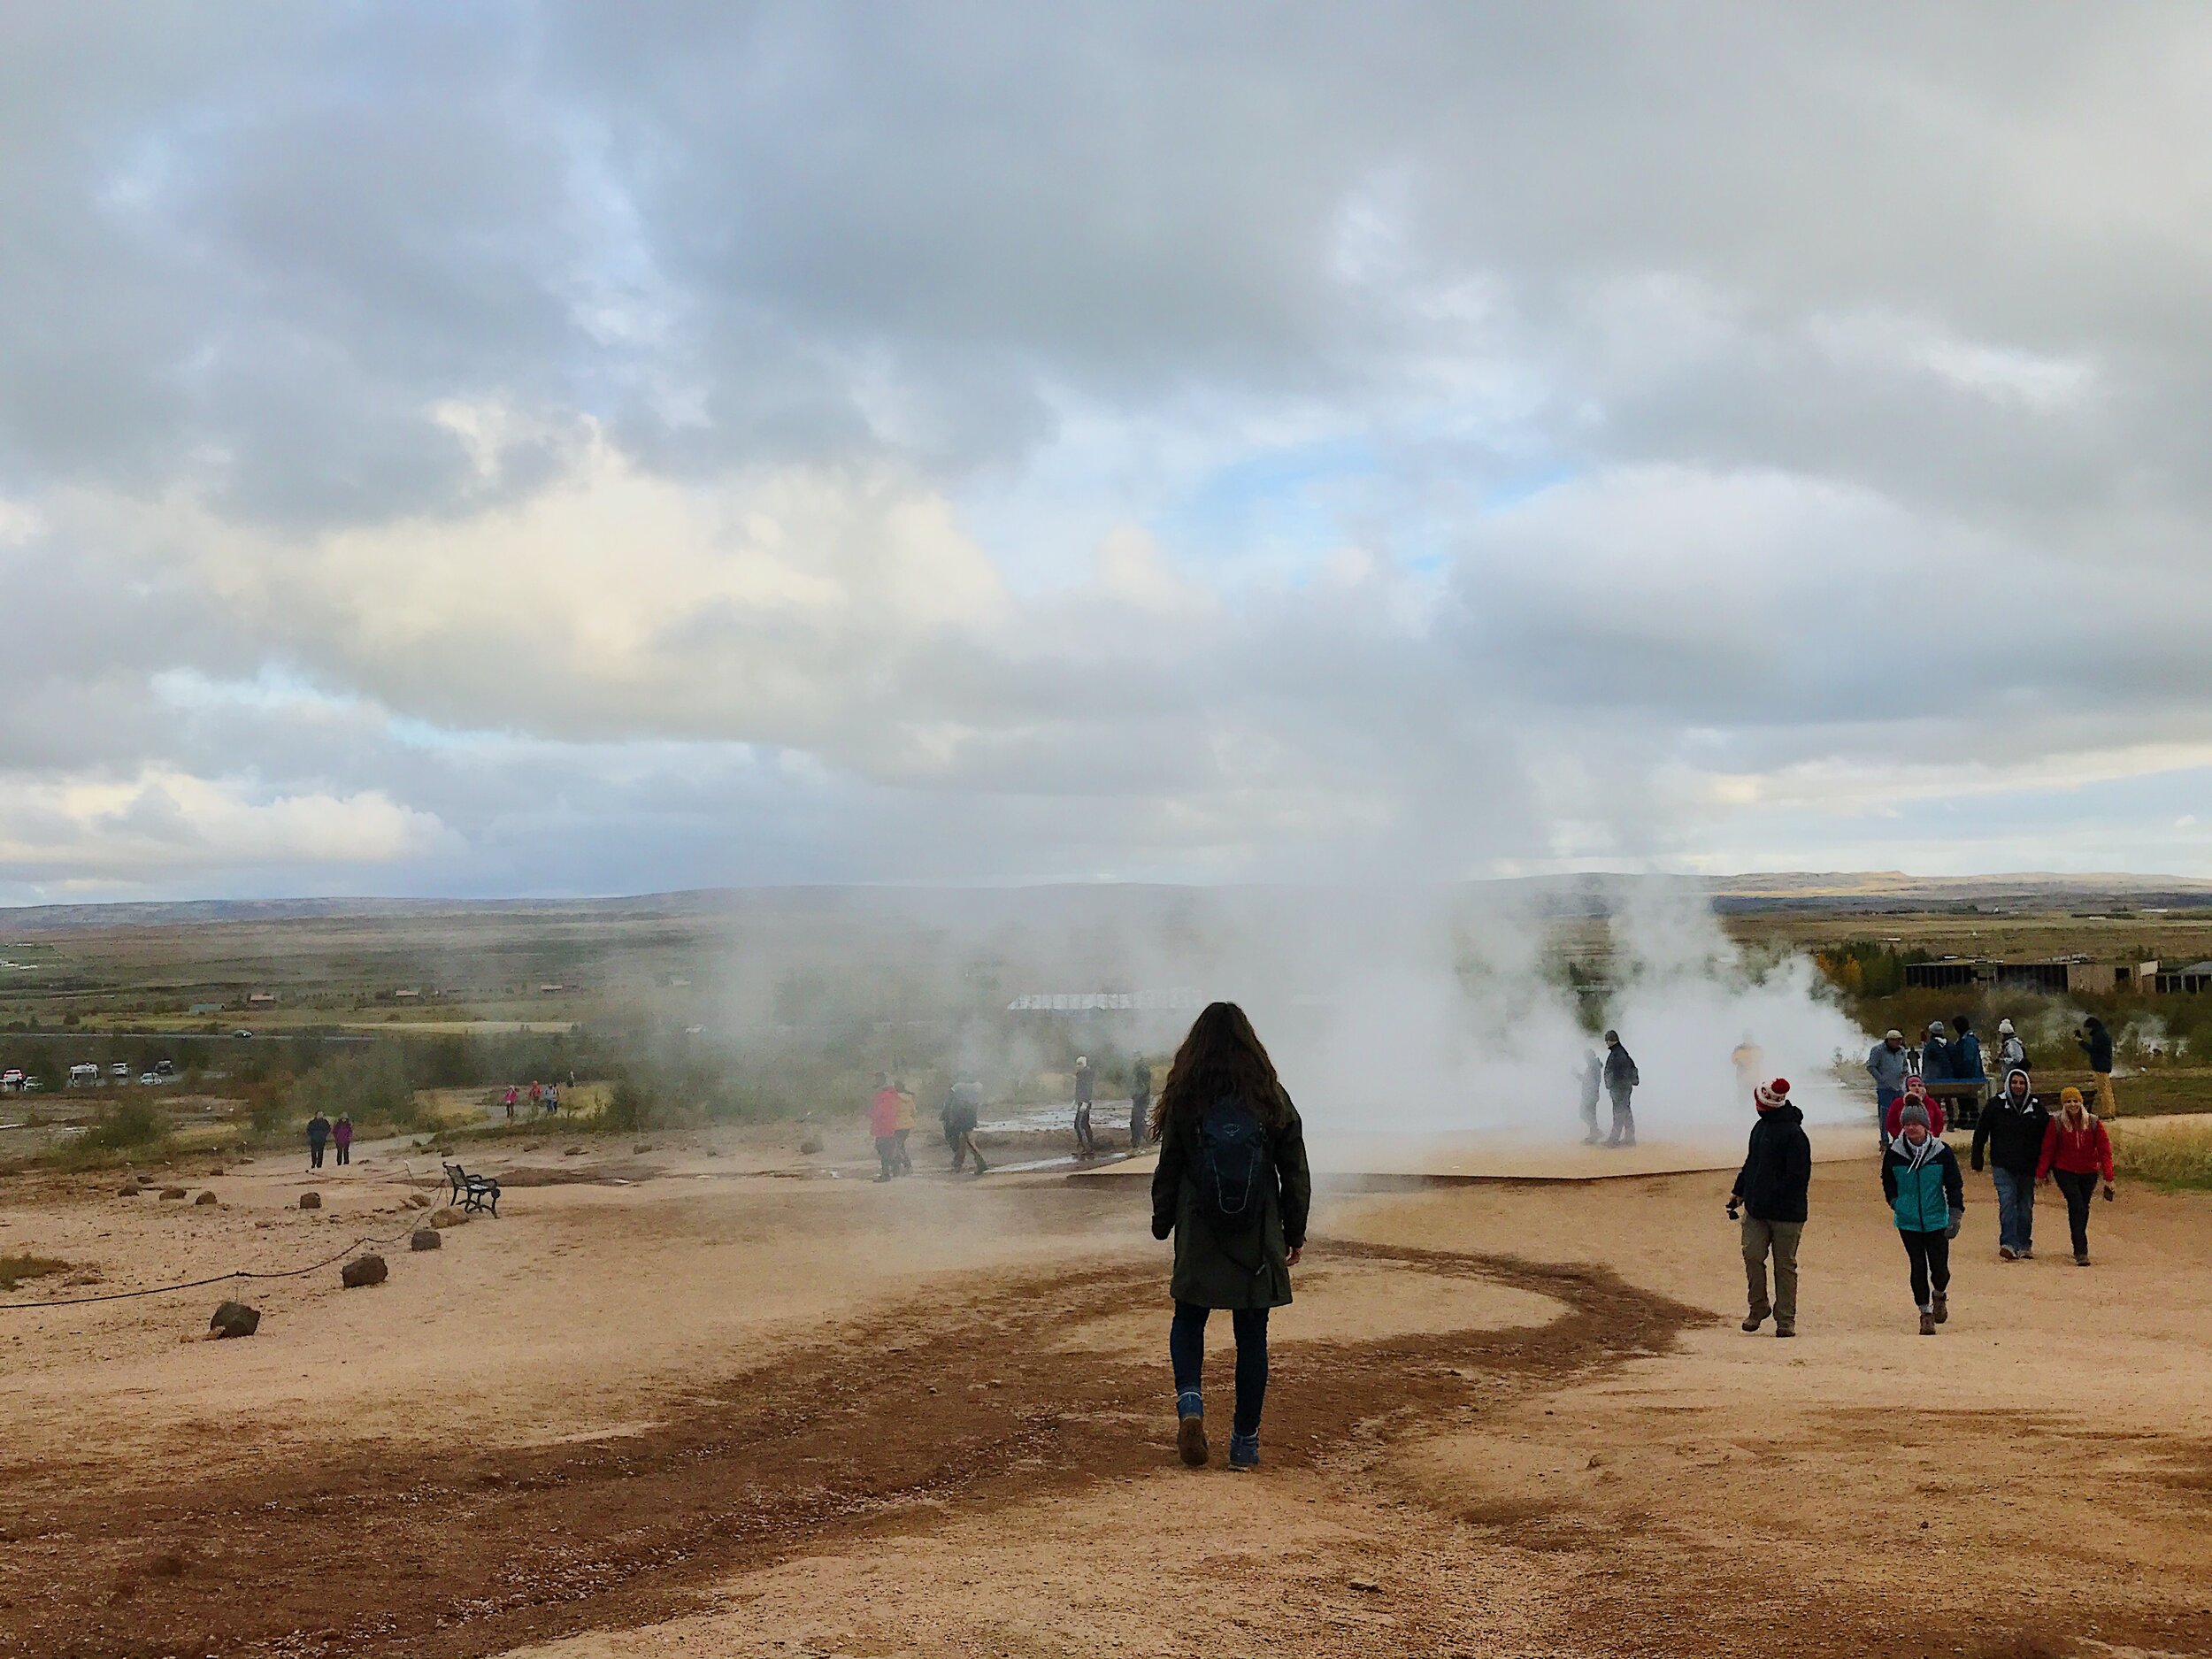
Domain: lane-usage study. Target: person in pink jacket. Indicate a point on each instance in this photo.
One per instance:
(341, 1137)
(883, 1123)
(2076, 1151)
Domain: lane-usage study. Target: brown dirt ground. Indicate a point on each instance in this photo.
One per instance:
(717, 1413)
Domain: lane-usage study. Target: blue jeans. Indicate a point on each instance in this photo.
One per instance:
(2016, 1210)
(1186, 1350)
(1883, 1098)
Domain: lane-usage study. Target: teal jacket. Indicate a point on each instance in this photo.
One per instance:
(1923, 1185)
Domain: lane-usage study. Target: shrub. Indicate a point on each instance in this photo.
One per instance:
(136, 1122)
(15, 1269)
(2169, 1156)
(368, 1086)
(630, 1107)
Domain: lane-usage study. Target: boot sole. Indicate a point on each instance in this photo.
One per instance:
(1190, 1442)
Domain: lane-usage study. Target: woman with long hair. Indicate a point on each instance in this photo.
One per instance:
(2076, 1150)
(1232, 1187)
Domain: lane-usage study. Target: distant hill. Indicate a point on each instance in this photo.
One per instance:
(1841, 892)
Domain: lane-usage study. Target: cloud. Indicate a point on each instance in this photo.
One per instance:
(807, 440)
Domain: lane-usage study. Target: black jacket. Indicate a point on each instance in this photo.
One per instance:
(1221, 1272)
(2097, 1046)
(1778, 1167)
(2012, 1134)
(1620, 1071)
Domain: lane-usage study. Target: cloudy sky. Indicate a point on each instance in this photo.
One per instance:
(548, 449)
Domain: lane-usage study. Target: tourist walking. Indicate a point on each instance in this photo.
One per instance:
(963, 1103)
(1935, 1054)
(1771, 1187)
(1086, 1082)
(1233, 1189)
(902, 1125)
(1885, 1064)
(1592, 1081)
(509, 1098)
(1140, 1101)
(1915, 1093)
(2012, 1054)
(341, 1137)
(1621, 1078)
(2076, 1151)
(318, 1133)
(883, 1126)
(2011, 1129)
(1927, 1200)
(2096, 1046)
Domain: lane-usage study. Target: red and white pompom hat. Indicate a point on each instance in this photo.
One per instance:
(1768, 1096)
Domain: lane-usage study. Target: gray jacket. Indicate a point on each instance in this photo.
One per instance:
(1887, 1066)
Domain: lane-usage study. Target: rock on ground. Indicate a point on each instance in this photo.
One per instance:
(173, 1192)
(448, 1217)
(418, 1200)
(363, 1270)
(235, 1318)
(424, 1238)
(207, 1198)
(310, 1201)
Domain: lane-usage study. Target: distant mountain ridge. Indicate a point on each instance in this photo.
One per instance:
(1839, 890)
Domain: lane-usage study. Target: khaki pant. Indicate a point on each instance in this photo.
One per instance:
(2106, 1107)
(1781, 1237)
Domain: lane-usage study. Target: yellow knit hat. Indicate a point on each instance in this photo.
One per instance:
(2070, 1096)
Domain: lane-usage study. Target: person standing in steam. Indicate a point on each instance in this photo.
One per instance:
(1233, 1188)
(1885, 1064)
(1592, 1081)
(1086, 1080)
(1777, 1174)
(1621, 1078)
(1140, 1101)
(963, 1104)
(883, 1125)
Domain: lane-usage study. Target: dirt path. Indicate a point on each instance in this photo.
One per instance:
(882, 1425)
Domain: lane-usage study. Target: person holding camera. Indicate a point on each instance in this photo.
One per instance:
(2096, 1046)
(1771, 1189)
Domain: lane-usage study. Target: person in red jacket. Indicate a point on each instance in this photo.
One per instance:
(883, 1123)
(1916, 1095)
(2076, 1151)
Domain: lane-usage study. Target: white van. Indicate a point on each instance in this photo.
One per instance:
(86, 1076)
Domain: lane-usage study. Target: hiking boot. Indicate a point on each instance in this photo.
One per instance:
(1786, 1330)
(1753, 1321)
(1190, 1438)
(1244, 1451)
(2006, 1253)
(2081, 1258)
(1942, 1308)
(2026, 1254)
(1927, 1324)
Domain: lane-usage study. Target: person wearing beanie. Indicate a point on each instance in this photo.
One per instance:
(2096, 1046)
(1927, 1200)
(2076, 1150)
(1885, 1064)
(2011, 1129)
(1771, 1189)
(2012, 1054)
(1915, 1093)
(1935, 1053)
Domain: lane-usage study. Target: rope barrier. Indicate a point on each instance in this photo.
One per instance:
(221, 1279)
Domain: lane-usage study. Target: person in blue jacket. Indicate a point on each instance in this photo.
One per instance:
(1927, 1200)
(1885, 1064)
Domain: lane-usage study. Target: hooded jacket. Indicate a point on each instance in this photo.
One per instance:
(2012, 1131)
(1778, 1167)
(1935, 1060)
(2098, 1046)
(1620, 1071)
(883, 1114)
(1966, 1059)
(1921, 1184)
(1887, 1066)
(1893, 1120)
(2012, 1054)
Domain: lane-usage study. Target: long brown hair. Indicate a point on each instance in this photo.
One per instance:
(1223, 1055)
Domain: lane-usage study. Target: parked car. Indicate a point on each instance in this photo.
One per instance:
(120, 1071)
(11, 1079)
(165, 1068)
(84, 1076)
(148, 1078)
(241, 1033)
(32, 1084)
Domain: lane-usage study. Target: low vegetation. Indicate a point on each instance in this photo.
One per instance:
(2173, 1156)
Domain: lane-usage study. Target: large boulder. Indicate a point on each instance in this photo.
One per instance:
(448, 1217)
(363, 1270)
(234, 1318)
(424, 1238)
(310, 1201)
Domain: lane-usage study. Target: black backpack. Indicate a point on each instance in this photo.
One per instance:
(1235, 1173)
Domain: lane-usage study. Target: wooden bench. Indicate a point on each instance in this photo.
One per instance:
(473, 1191)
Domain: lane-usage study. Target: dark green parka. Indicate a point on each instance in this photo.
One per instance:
(1246, 1269)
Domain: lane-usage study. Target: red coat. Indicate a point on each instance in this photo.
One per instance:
(1893, 1120)
(883, 1114)
(2077, 1151)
